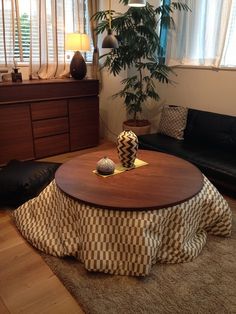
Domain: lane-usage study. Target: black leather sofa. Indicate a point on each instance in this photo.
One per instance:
(209, 143)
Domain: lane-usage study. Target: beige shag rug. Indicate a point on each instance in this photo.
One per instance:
(204, 286)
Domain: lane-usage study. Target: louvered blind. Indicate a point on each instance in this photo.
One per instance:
(6, 27)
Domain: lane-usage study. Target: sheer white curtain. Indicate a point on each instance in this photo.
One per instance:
(50, 21)
(8, 27)
(200, 36)
(229, 53)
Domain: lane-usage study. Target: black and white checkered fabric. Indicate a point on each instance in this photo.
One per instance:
(173, 121)
(122, 242)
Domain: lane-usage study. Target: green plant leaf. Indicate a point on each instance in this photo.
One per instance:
(139, 46)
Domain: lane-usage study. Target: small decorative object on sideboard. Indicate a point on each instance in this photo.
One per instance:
(127, 147)
(105, 166)
(16, 76)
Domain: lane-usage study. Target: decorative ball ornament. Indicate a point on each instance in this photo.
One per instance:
(127, 147)
(105, 166)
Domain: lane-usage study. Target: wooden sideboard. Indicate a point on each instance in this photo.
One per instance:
(44, 118)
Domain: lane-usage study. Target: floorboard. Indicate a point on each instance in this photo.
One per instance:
(27, 284)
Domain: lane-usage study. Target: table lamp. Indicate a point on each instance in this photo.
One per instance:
(110, 41)
(77, 42)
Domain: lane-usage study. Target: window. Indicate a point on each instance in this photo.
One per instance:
(33, 28)
(206, 36)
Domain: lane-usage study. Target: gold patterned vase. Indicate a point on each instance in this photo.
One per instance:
(127, 147)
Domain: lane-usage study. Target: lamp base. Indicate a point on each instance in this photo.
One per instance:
(78, 68)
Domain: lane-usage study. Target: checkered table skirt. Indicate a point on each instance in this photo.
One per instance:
(122, 242)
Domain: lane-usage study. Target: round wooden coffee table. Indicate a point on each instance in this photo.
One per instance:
(166, 181)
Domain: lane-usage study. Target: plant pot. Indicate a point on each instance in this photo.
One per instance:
(139, 127)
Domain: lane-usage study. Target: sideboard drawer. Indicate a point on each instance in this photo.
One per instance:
(51, 145)
(49, 127)
(49, 109)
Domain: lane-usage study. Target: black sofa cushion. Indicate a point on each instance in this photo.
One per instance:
(211, 129)
(23, 180)
(166, 144)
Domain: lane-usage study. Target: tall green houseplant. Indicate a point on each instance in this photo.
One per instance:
(140, 50)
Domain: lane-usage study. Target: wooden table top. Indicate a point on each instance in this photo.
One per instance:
(166, 181)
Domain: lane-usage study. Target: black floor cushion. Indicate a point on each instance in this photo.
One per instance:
(23, 180)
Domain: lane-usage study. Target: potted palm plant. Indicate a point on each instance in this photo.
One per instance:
(140, 51)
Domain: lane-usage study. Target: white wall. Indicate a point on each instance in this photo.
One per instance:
(204, 89)
(112, 111)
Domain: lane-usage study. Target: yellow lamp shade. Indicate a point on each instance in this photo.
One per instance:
(77, 42)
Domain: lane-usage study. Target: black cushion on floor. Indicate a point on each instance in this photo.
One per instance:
(23, 180)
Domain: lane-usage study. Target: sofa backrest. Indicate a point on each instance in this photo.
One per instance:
(211, 129)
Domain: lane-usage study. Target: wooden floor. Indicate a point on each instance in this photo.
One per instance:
(27, 285)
